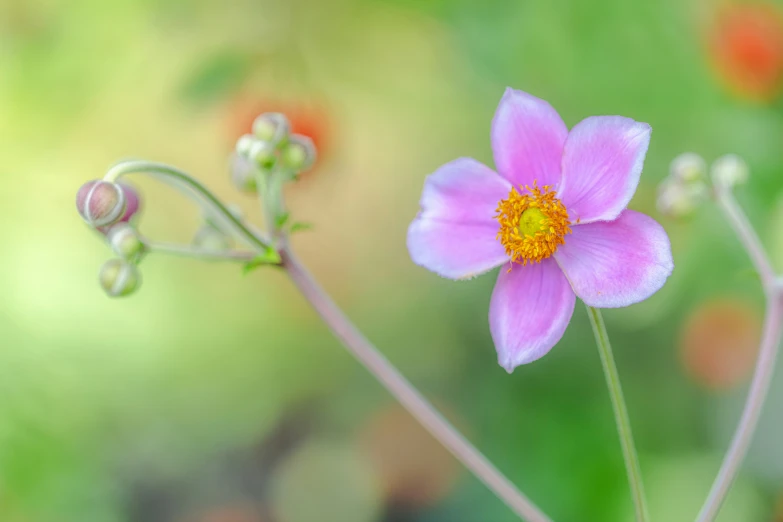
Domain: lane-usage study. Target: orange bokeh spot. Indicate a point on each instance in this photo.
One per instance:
(746, 44)
(719, 343)
(778, 516)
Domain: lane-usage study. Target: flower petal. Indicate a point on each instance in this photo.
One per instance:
(454, 234)
(616, 263)
(602, 162)
(528, 136)
(530, 309)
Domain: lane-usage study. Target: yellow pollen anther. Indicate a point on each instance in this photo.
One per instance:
(532, 225)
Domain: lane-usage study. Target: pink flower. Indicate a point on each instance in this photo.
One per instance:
(554, 214)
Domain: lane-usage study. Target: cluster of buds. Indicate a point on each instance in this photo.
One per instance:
(681, 193)
(109, 208)
(262, 162)
(270, 146)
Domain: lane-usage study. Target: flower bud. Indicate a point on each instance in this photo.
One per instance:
(119, 278)
(688, 167)
(210, 238)
(125, 241)
(728, 171)
(262, 153)
(677, 199)
(243, 173)
(244, 143)
(132, 202)
(299, 154)
(272, 128)
(101, 203)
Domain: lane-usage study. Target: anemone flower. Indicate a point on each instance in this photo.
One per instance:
(553, 216)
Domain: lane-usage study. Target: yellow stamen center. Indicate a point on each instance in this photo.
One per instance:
(532, 225)
(531, 221)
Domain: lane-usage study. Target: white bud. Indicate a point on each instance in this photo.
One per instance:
(729, 170)
(688, 167)
(244, 143)
(119, 278)
(125, 241)
(243, 173)
(678, 199)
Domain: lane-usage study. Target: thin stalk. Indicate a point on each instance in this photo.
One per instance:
(759, 386)
(407, 395)
(765, 364)
(270, 195)
(747, 236)
(204, 196)
(620, 414)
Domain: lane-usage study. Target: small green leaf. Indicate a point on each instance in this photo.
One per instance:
(282, 219)
(299, 227)
(268, 257)
(217, 76)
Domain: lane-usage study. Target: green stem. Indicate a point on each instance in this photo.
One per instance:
(620, 414)
(270, 195)
(179, 178)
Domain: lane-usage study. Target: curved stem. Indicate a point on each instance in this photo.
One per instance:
(204, 195)
(408, 396)
(765, 364)
(747, 236)
(762, 376)
(620, 414)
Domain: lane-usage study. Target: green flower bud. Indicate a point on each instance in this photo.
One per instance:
(688, 167)
(119, 278)
(262, 154)
(272, 128)
(125, 241)
(299, 154)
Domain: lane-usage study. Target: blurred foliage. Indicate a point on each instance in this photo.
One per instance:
(167, 406)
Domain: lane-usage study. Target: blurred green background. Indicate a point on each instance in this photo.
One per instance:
(213, 396)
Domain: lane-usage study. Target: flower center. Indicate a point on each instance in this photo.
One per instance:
(531, 221)
(532, 225)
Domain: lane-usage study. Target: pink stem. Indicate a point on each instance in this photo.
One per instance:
(407, 395)
(765, 365)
